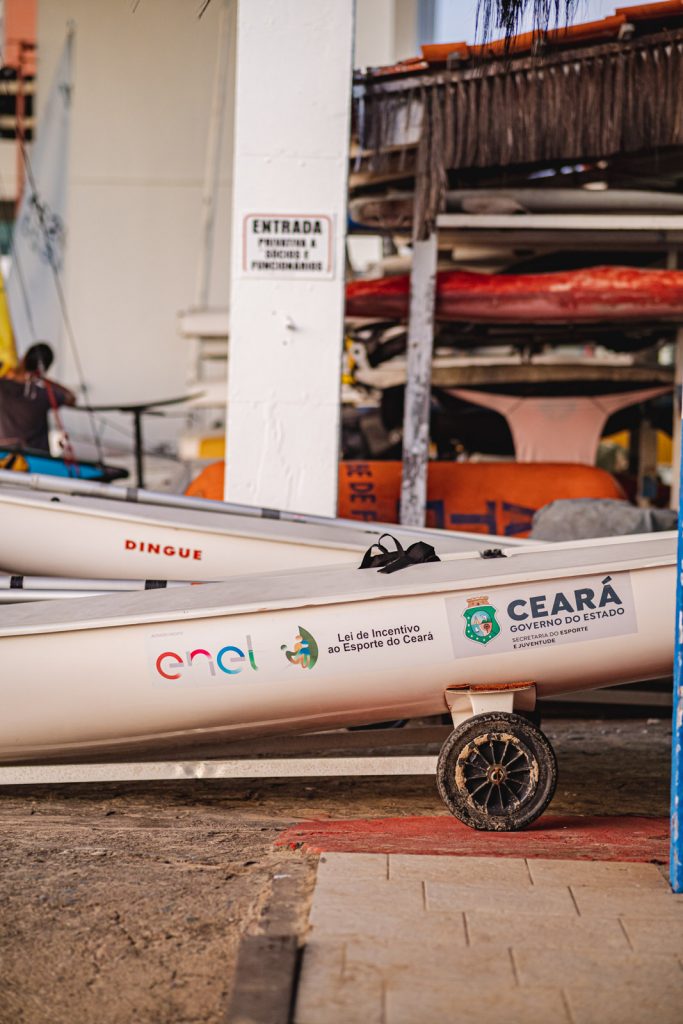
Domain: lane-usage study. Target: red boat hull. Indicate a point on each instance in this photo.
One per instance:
(594, 294)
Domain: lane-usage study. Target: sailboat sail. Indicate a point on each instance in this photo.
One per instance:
(39, 231)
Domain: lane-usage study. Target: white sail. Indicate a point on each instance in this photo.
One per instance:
(39, 232)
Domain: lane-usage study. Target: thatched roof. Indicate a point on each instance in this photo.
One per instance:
(562, 105)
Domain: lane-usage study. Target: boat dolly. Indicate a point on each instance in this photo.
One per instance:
(496, 770)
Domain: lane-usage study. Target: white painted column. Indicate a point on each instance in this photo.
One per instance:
(293, 94)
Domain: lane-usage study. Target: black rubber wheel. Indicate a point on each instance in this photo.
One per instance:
(496, 772)
(532, 716)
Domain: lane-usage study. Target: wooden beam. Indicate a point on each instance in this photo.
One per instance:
(264, 980)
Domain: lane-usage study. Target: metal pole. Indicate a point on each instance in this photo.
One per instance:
(647, 463)
(676, 854)
(137, 419)
(418, 382)
(213, 156)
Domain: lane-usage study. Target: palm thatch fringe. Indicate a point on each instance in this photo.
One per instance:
(575, 106)
(505, 16)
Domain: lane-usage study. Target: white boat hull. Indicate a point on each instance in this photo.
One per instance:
(58, 535)
(235, 659)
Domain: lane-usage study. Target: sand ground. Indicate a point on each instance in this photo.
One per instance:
(125, 904)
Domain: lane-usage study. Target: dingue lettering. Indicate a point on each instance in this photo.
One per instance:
(149, 548)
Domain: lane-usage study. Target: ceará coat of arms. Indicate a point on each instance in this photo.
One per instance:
(480, 618)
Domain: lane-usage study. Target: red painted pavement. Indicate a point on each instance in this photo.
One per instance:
(568, 837)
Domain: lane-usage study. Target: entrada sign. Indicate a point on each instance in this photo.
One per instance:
(287, 245)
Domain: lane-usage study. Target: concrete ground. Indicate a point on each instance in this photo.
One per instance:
(126, 903)
(408, 939)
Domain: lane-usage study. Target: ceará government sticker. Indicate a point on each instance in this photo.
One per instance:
(542, 614)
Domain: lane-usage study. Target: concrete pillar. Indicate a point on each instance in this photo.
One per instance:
(291, 141)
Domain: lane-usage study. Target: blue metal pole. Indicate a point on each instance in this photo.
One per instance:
(676, 852)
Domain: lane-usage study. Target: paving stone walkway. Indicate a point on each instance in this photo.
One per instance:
(411, 939)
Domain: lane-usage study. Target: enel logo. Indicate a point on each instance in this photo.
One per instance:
(229, 659)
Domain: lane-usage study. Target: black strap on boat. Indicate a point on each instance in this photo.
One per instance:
(387, 561)
(492, 553)
(154, 584)
(416, 554)
(16, 582)
(384, 555)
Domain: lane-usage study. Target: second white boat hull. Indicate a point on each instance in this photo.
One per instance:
(331, 648)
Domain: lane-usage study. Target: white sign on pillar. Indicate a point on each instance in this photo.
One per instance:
(293, 93)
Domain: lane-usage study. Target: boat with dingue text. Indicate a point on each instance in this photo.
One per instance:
(122, 533)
